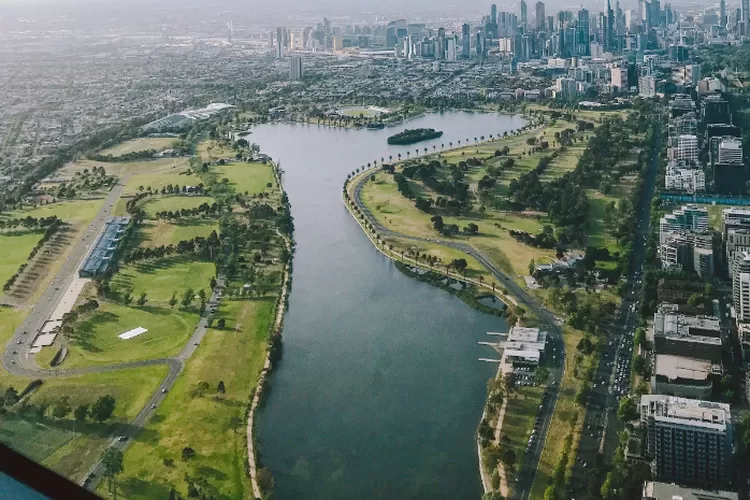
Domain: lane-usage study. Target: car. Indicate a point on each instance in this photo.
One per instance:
(122, 438)
(195, 343)
(19, 342)
(153, 405)
(163, 390)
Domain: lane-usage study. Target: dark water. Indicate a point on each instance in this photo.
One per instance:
(380, 390)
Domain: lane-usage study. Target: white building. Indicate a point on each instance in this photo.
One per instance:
(566, 88)
(687, 148)
(687, 180)
(647, 86)
(524, 346)
(741, 286)
(730, 150)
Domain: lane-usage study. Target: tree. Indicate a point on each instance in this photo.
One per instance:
(221, 387)
(532, 266)
(62, 409)
(221, 323)
(541, 374)
(187, 297)
(188, 453)
(628, 411)
(11, 396)
(80, 413)
(459, 265)
(265, 479)
(113, 465)
(173, 300)
(142, 299)
(202, 295)
(127, 298)
(103, 408)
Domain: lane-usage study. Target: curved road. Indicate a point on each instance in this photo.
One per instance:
(18, 361)
(522, 489)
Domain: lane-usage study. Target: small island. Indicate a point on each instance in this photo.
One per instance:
(413, 136)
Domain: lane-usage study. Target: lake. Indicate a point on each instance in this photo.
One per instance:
(379, 390)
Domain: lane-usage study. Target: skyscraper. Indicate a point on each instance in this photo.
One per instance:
(466, 41)
(723, 13)
(540, 17)
(295, 68)
(609, 31)
(280, 42)
(584, 39)
(524, 14)
(746, 11)
(493, 14)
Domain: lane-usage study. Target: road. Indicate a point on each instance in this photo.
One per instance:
(17, 360)
(522, 489)
(612, 380)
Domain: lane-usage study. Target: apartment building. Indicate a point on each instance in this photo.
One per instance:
(688, 440)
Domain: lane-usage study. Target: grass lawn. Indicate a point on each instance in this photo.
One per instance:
(139, 168)
(157, 233)
(159, 174)
(57, 443)
(518, 422)
(15, 248)
(210, 150)
(212, 424)
(140, 144)
(598, 234)
(159, 278)
(68, 211)
(565, 410)
(172, 203)
(34, 439)
(396, 212)
(251, 178)
(96, 341)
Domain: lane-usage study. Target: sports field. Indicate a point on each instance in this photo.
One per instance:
(140, 144)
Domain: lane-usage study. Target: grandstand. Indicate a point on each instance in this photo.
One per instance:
(101, 255)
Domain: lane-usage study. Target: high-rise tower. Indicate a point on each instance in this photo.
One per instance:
(524, 14)
(540, 17)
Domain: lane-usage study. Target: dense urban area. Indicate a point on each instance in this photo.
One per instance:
(148, 237)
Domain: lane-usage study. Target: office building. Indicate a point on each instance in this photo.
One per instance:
(687, 148)
(524, 14)
(689, 441)
(295, 68)
(647, 86)
(541, 19)
(741, 286)
(730, 150)
(466, 41)
(729, 178)
(688, 218)
(715, 109)
(684, 180)
(688, 251)
(678, 334)
(281, 42)
(583, 37)
(735, 233)
(653, 490)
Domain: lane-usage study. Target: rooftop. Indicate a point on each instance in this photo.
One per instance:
(681, 368)
(683, 411)
(671, 324)
(653, 490)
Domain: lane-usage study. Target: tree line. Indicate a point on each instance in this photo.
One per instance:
(53, 224)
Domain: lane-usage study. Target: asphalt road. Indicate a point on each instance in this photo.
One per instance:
(601, 426)
(17, 360)
(522, 489)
